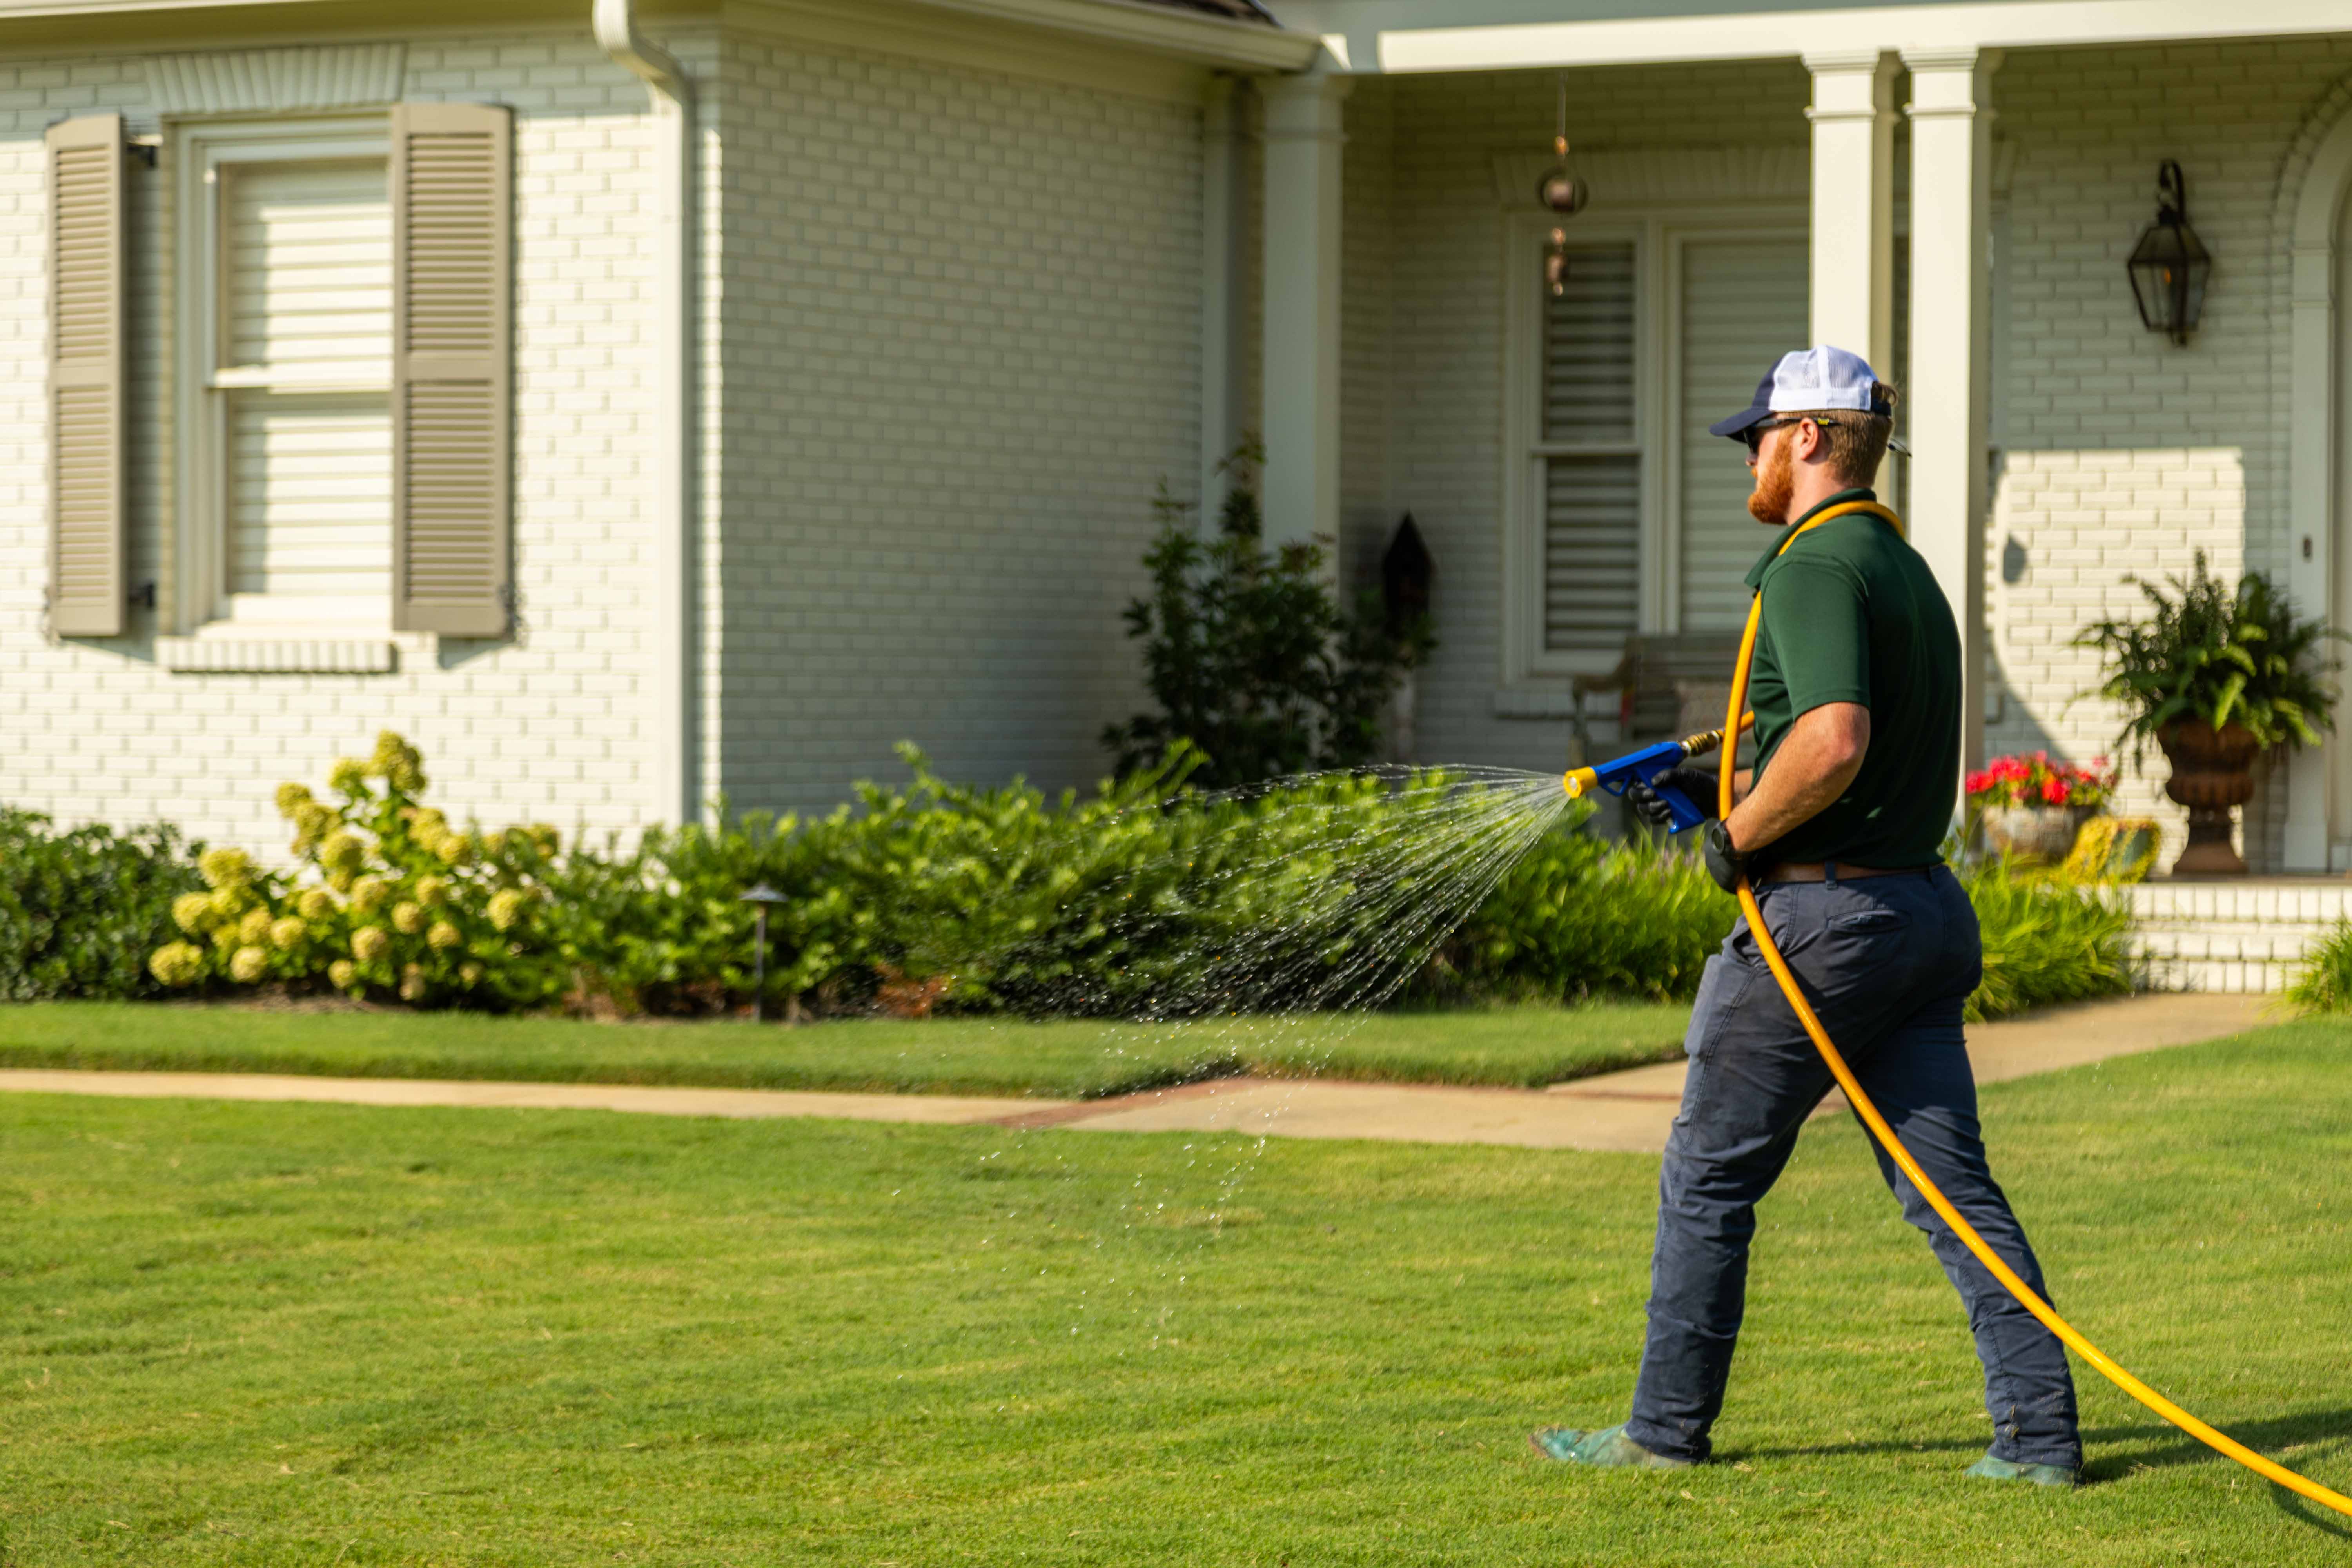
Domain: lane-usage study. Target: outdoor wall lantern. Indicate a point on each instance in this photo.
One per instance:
(2169, 265)
(1564, 195)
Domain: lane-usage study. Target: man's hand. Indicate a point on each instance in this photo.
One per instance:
(1810, 768)
(1700, 785)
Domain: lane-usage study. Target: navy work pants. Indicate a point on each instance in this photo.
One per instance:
(1887, 962)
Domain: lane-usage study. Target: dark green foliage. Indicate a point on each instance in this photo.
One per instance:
(80, 910)
(2219, 656)
(1248, 655)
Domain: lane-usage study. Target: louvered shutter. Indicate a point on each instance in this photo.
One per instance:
(86, 310)
(1592, 497)
(452, 195)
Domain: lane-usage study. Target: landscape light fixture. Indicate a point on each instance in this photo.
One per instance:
(760, 896)
(2170, 264)
(1562, 195)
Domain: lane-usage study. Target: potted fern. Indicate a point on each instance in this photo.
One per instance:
(2216, 677)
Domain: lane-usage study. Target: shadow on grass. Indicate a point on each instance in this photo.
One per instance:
(2154, 1446)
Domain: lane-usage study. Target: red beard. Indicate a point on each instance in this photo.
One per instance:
(1776, 486)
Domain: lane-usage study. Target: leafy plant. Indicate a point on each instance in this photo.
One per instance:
(80, 911)
(2322, 982)
(2219, 656)
(1581, 919)
(1248, 655)
(2047, 939)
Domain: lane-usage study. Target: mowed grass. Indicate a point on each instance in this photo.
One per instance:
(251, 1334)
(1077, 1059)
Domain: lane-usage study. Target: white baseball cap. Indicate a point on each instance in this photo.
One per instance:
(1809, 380)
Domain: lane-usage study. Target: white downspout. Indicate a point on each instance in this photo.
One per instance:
(673, 660)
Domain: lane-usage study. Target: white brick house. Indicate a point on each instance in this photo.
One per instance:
(835, 420)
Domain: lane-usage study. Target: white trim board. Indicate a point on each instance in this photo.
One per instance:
(1785, 35)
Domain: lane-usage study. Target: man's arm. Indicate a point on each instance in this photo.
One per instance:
(1812, 767)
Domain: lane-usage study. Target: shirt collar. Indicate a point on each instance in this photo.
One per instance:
(1772, 552)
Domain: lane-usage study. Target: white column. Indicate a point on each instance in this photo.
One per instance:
(1221, 291)
(1301, 370)
(1853, 203)
(1951, 125)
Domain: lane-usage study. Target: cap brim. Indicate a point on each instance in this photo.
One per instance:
(1740, 421)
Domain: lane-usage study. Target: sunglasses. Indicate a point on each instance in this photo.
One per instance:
(1754, 434)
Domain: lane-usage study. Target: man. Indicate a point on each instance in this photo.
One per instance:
(1839, 826)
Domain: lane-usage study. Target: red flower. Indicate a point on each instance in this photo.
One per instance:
(2054, 790)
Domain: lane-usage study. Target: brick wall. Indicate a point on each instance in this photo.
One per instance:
(548, 727)
(961, 334)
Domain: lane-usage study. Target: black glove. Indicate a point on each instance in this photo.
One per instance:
(1724, 863)
(1700, 785)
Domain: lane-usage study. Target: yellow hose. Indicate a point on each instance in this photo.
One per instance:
(2220, 1442)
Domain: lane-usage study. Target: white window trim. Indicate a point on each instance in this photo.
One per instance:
(197, 150)
(1535, 681)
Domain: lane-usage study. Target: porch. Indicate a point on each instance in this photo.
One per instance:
(1746, 198)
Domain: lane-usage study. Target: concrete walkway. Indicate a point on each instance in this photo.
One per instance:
(1629, 1111)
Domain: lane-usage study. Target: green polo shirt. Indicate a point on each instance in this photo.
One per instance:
(1851, 614)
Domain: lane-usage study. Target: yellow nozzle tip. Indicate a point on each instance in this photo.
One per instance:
(1576, 781)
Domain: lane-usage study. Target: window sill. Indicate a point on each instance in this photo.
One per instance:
(263, 655)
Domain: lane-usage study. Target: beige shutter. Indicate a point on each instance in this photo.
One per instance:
(86, 309)
(452, 195)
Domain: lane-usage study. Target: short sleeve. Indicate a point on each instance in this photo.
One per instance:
(1821, 633)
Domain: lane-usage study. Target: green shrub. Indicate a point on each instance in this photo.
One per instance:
(1576, 919)
(80, 910)
(1147, 899)
(1579, 919)
(1249, 654)
(2323, 979)
(2047, 939)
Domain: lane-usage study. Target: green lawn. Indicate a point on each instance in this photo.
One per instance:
(1515, 1046)
(283, 1335)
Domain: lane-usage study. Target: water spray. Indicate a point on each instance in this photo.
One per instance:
(1645, 766)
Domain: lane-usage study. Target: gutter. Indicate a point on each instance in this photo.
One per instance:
(673, 738)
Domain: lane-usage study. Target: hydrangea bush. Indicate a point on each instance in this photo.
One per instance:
(388, 898)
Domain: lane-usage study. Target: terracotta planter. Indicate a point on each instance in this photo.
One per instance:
(2039, 832)
(2212, 775)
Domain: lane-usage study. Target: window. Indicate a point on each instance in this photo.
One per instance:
(287, 334)
(345, 394)
(1621, 514)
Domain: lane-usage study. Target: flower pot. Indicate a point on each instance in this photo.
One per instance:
(2212, 775)
(2039, 833)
